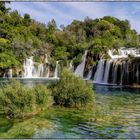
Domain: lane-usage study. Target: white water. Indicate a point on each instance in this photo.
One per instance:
(80, 68)
(48, 72)
(106, 74)
(123, 53)
(36, 70)
(102, 72)
(29, 69)
(71, 68)
(10, 73)
(56, 70)
(99, 72)
(89, 75)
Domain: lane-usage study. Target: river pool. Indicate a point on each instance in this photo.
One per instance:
(118, 116)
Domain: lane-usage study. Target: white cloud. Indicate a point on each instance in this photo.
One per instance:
(67, 11)
(49, 9)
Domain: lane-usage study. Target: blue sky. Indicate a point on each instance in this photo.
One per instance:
(66, 12)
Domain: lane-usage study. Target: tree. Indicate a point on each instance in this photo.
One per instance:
(52, 25)
(7, 60)
(3, 7)
(27, 19)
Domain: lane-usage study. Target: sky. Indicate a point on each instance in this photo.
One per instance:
(65, 12)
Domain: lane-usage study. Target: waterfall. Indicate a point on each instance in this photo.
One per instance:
(123, 53)
(106, 73)
(56, 70)
(48, 72)
(4, 75)
(99, 72)
(89, 75)
(10, 73)
(36, 70)
(137, 73)
(115, 73)
(118, 72)
(80, 68)
(122, 73)
(119, 69)
(71, 68)
(40, 71)
(29, 68)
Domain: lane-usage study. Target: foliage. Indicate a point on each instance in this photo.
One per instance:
(17, 100)
(7, 60)
(24, 128)
(71, 91)
(23, 37)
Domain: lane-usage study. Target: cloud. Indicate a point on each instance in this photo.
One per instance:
(91, 9)
(47, 8)
(65, 12)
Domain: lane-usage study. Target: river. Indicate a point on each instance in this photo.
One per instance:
(118, 116)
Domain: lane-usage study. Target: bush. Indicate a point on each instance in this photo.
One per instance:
(16, 100)
(72, 91)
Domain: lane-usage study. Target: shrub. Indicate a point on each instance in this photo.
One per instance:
(16, 100)
(72, 91)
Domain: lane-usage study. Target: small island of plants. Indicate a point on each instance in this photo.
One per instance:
(19, 101)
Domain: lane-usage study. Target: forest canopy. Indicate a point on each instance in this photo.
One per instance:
(21, 37)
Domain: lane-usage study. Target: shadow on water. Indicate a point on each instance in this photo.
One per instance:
(117, 115)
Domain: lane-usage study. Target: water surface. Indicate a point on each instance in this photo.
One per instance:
(117, 116)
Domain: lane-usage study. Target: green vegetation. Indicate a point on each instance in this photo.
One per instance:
(21, 37)
(17, 100)
(23, 128)
(71, 91)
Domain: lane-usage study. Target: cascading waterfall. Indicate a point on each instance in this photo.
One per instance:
(98, 78)
(80, 68)
(36, 70)
(106, 73)
(119, 69)
(56, 70)
(123, 53)
(122, 69)
(10, 73)
(88, 77)
(48, 72)
(29, 68)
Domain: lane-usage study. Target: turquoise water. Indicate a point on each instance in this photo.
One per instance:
(118, 116)
(123, 105)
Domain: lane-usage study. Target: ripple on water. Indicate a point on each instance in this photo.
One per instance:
(117, 103)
